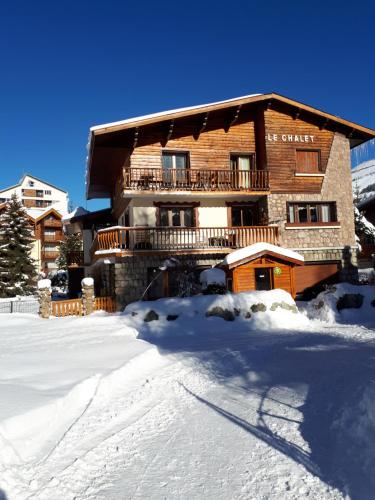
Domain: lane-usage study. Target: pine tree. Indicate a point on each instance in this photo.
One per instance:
(17, 268)
(72, 243)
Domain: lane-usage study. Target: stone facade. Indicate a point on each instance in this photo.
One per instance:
(318, 244)
(131, 273)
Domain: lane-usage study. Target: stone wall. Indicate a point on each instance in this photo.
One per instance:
(131, 278)
(336, 187)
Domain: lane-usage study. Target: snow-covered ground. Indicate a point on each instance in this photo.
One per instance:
(243, 409)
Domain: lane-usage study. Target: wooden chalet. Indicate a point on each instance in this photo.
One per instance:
(199, 183)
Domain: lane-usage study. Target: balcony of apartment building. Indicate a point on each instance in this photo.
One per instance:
(124, 241)
(176, 173)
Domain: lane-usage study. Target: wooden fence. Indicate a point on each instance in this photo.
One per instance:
(107, 304)
(74, 307)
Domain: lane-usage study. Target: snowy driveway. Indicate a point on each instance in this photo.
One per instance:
(242, 415)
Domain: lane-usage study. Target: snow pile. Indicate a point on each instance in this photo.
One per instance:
(46, 283)
(212, 276)
(261, 310)
(363, 177)
(87, 281)
(256, 248)
(344, 303)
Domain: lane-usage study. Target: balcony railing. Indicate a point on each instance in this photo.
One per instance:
(50, 254)
(52, 223)
(119, 240)
(157, 179)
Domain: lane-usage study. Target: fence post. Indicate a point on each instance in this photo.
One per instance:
(44, 295)
(88, 298)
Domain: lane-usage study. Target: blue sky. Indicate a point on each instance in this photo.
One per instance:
(66, 66)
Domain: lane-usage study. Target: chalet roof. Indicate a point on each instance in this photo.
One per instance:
(139, 121)
(35, 178)
(118, 138)
(252, 252)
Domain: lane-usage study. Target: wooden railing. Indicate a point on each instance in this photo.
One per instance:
(52, 223)
(107, 304)
(46, 255)
(72, 307)
(180, 238)
(157, 179)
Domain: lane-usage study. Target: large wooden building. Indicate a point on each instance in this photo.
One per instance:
(198, 183)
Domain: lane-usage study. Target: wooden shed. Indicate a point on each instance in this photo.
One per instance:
(262, 266)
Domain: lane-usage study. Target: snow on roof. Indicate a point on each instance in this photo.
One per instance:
(256, 248)
(168, 112)
(78, 211)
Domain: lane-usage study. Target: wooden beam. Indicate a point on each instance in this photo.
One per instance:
(202, 126)
(232, 120)
(169, 133)
(136, 137)
(324, 124)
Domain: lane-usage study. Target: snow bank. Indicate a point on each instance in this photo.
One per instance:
(44, 284)
(263, 310)
(324, 306)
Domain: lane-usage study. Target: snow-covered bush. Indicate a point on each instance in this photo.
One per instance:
(344, 303)
(213, 281)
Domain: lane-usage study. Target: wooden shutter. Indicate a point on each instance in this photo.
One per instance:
(307, 161)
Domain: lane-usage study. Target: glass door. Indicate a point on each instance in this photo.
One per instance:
(174, 167)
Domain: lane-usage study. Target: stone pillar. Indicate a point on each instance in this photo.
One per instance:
(88, 297)
(44, 294)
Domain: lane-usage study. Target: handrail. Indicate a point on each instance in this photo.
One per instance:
(191, 179)
(180, 238)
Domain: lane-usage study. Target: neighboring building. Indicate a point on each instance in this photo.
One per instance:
(198, 183)
(48, 234)
(36, 194)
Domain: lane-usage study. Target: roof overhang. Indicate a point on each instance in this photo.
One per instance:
(111, 142)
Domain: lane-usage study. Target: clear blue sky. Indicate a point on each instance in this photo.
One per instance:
(66, 66)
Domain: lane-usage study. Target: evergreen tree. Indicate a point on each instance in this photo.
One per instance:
(17, 268)
(72, 243)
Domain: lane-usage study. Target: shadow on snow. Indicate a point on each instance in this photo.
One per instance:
(335, 372)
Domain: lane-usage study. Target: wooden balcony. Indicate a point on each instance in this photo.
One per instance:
(120, 241)
(157, 179)
(49, 255)
(52, 223)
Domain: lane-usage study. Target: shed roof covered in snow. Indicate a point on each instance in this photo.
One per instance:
(256, 250)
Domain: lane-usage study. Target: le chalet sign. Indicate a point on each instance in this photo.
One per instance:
(290, 138)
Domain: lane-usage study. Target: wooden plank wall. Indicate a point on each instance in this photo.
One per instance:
(281, 156)
(310, 275)
(211, 150)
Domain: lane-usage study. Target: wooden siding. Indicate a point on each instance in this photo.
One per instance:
(244, 275)
(211, 150)
(311, 275)
(281, 156)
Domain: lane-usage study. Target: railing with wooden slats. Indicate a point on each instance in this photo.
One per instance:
(52, 223)
(157, 179)
(53, 254)
(107, 304)
(72, 307)
(180, 238)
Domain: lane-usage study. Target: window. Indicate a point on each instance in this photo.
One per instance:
(307, 161)
(39, 192)
(242, 215)
(39, 203)
(49, 232)
(311, 213)
(47, 191)
(242, 165)
(31, 183)
(174, 167)
(242, 162)
(177, 216)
